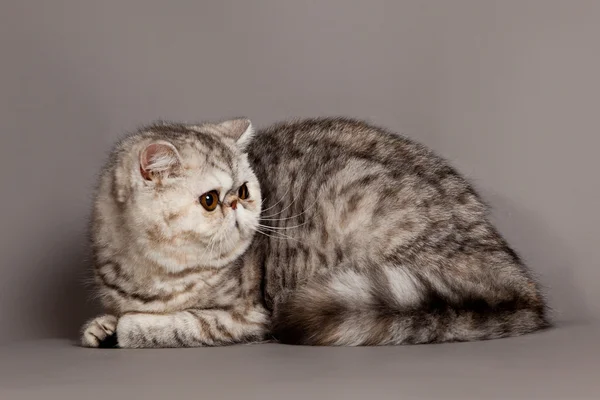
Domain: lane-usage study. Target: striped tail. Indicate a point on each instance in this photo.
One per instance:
(353, 309)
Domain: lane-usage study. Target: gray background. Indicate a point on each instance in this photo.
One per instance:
(507, 90)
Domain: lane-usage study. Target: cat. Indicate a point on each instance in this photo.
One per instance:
(326, 231)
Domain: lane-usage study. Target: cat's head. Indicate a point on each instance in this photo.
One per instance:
(189, 195)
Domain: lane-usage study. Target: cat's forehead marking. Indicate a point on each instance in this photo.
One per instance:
(224, 178)
(204, 152)
(209, 176)
(199, 160)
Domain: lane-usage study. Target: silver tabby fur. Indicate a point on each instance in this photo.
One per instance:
(364, 238)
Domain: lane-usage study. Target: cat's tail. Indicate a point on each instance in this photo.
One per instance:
(350, 308)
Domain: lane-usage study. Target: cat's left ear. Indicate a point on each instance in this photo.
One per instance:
(240, 130)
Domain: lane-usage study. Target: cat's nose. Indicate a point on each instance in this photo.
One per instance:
(231, 200)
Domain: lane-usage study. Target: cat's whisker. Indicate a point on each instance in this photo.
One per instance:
(293, 216)
(221, 247)
(267, 235)
(220, 244)
(273, 236)
(283, 228)
(206, 248)
(281, 212)
(211, 244)
(281, 219)
(280, 235)
(228, 240)
(280, 200)
(204, 254)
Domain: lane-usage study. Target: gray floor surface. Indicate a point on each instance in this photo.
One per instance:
(561, 363)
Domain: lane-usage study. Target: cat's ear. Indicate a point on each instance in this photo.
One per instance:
(159, 160)
(240, 130)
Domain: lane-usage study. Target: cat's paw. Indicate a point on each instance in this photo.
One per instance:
(100, 332)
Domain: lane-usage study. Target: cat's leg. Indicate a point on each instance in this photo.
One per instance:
(99, 331)
(192, 328)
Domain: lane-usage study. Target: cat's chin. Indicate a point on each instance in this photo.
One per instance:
(227, 256)
(224, 257)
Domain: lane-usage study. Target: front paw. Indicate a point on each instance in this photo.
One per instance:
(100, 332)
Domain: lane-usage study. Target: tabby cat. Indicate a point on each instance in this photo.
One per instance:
(323, 231)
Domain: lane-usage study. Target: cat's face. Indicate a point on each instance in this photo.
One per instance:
(197, 202)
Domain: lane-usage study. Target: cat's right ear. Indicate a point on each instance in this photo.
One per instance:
(239, 129)
(159, 160)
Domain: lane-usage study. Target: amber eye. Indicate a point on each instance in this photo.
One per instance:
(243, 192)
(210, 200)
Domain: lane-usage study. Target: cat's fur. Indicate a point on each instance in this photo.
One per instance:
(368, 239)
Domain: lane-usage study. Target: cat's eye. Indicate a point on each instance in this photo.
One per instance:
(210, 200)
(243, 192)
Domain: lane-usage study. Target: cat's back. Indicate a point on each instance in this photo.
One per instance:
(345, 155)
(327, 138)
(363, 224)
(339, 190)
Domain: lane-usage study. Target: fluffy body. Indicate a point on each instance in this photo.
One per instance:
(366, 238)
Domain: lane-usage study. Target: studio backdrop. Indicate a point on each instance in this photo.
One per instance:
(507, 91)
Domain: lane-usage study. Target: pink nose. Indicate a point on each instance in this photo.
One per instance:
(234, 204)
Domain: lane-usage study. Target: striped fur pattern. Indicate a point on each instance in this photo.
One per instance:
(376, 240)
(169, 272)
(366, 238)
